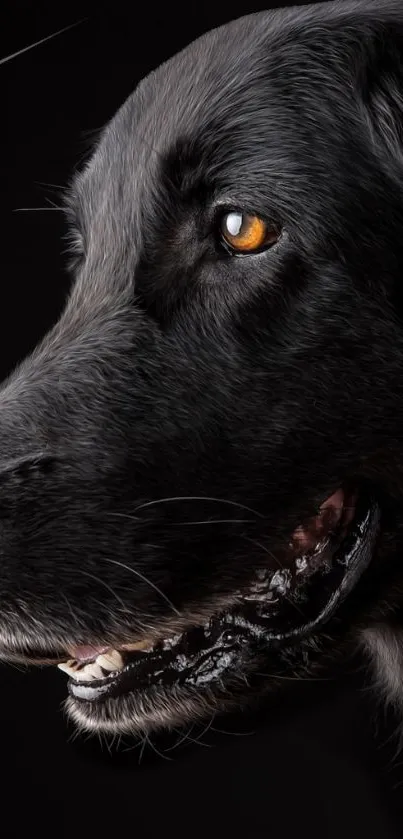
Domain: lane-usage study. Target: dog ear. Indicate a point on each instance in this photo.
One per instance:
(380, 85)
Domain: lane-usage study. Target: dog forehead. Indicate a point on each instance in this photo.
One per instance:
(180, 98)
(214, 96)
(247, 78)
(249, 93)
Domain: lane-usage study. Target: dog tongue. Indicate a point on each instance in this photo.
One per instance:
(331, 511)
(86, 653)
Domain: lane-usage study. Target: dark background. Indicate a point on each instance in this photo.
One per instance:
(320, 764)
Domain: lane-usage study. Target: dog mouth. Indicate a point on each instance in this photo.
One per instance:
(321, 565)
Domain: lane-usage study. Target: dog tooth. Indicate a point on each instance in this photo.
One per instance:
(88, 673)
(112, 660)
(143, 646)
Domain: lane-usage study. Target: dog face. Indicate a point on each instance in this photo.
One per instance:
(204, 454)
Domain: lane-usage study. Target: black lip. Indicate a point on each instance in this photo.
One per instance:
(201, 655)
(349, 563)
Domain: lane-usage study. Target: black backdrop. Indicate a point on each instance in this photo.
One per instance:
(319, 764)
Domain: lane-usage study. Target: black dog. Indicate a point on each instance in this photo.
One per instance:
(205, 456)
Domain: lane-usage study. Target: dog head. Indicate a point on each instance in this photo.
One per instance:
(203, 456)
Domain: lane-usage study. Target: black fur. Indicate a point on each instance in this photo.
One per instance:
(179, 371)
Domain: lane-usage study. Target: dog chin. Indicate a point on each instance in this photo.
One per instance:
(155, 710)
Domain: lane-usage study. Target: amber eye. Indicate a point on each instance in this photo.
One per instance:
(245, 233)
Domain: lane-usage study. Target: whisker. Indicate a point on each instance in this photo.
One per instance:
(266, 550)
(74, 734)
(132, 747)
(22, 668)
(295, 678)
(108, 744)
(38, 209)
(145, 580)
(205, 730)
(214, 521)
(47, 184)
(102, 582)
(68, 606)
(154, 748)
(41, 41)
(155, 547)
(196, 740)
(52, 204)
(234, 733)
(181, 739)
(198, 498)
(124, 516)
(144, 743)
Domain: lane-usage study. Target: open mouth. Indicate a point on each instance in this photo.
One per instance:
(321, 565)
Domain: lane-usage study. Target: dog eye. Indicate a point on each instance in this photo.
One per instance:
(244, 233)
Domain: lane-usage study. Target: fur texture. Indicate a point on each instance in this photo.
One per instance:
(191, 408)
